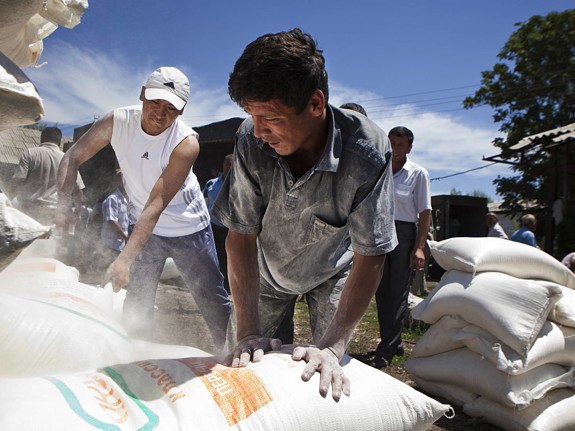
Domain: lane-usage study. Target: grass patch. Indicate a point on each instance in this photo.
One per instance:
(365, 336)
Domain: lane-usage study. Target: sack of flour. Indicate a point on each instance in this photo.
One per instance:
(499, 255)
(198, 393)
(487, 300)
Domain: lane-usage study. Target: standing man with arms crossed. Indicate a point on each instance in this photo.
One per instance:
(156, 151)
(412, 193)
(310, 192)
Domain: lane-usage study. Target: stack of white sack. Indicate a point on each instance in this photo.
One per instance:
(502, 338)
(23, 27)
(67, 364)
(52, 323)
(17, 230)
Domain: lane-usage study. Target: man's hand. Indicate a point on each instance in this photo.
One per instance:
(251, 348)
(118, 273)
(326, 363)
(417, 261)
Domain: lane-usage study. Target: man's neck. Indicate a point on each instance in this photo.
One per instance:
(397, 165)
(308, 155)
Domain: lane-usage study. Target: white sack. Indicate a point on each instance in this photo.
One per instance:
(14, 17)
(442, 336)
(499, 255)
(67, 326)
(563, 312)
(51, 323)
(170, 270)
(66, 13)
(16, 228)
(41, 247)
(470, 371)
(23, 271)
(511, 309)
(20, 101)
(555, 412)
(448, 391)
(25, 23)
(554, 344)
(200, 394)
(58, 327)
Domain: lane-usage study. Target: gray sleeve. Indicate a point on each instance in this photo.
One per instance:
(239, 205)
(372, 227)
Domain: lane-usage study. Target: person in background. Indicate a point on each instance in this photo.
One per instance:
(569, 261)
(35, 181)
(495, 229)
(412, 193)
(211, 190)
(115, 222)
(309, 193)
(354, 107)
(156, 151)
(526, 233)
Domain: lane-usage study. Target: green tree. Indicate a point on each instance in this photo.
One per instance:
(476, 193)
(532, 90)
(455, 192)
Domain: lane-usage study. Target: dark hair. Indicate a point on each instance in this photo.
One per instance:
(284, 66)
(402, 131)
(354, 107)
(51, 134)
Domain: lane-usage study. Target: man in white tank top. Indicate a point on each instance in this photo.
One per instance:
(168, 215)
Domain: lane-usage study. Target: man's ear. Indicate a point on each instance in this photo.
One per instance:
(142, 95)
(317, 103)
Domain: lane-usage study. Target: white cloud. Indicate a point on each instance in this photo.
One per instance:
(444, 144)
(77, 84)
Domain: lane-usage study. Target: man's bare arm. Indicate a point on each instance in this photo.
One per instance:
(244, 278)
(165, 188)
(96, 138)
(357, 293)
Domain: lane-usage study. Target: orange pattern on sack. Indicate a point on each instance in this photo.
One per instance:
(238, 392)
(35, 267)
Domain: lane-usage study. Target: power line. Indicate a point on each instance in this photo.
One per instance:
(420, 93)
(464, 172)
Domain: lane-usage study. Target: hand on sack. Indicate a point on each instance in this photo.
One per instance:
(326, 363)
(251, 348)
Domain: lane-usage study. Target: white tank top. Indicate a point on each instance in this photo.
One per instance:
(142, 159)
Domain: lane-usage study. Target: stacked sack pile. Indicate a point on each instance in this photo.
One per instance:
(502, 338)
(66, 363)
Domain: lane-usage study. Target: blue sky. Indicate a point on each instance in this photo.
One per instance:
(408, 63)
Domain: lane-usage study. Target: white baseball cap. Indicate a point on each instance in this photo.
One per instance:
(170, 84)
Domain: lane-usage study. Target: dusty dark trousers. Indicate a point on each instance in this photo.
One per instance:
(393, 292)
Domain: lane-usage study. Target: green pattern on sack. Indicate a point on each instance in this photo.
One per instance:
(153, 419)
(76, 407)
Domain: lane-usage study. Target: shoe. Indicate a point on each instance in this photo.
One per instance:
(373, 359)
(378, 361)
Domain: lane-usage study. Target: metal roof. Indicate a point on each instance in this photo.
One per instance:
(551, 137)
(545, 141)
(14, 141)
